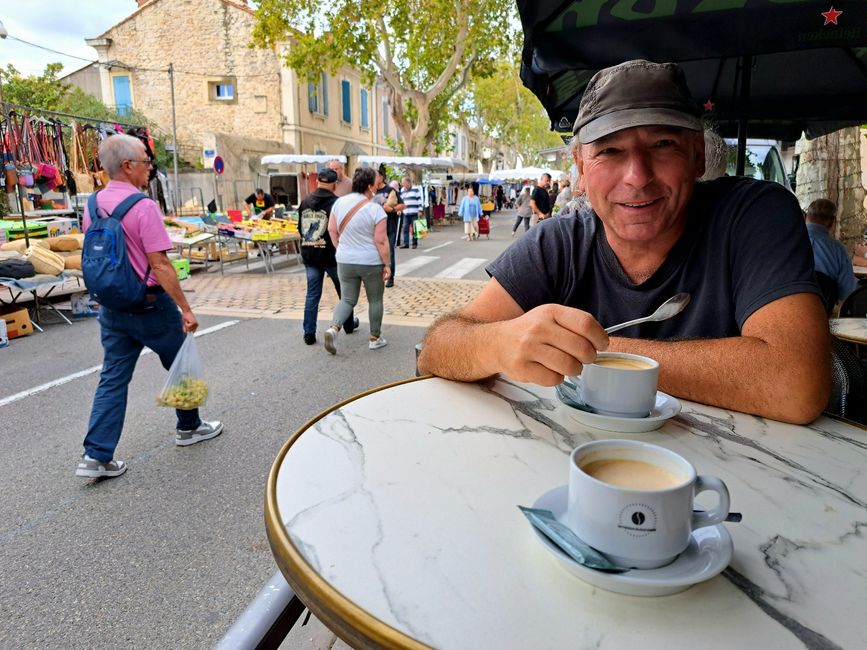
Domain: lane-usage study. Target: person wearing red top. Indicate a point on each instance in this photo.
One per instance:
(157, 323)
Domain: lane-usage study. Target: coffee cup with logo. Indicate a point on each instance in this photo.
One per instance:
(619, 384)
(633, 501)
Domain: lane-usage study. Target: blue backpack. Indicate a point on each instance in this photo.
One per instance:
(108, 273)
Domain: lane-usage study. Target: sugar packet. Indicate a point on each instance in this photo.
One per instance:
(545, 522)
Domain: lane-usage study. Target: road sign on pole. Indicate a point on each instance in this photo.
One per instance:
(219, 165)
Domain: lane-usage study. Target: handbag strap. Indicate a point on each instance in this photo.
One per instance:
(350, 214)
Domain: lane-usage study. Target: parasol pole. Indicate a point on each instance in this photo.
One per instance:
(746, 73)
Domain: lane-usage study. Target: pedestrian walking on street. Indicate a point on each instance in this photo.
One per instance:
(524, 211)
(389, 199)
(470, 210)
(540, 201)
(318, 252)
(358, 229)
(412, 199)
(155, 322)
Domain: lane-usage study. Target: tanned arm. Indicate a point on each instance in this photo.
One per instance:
(780, 366)
(492, 335)
(165, 273)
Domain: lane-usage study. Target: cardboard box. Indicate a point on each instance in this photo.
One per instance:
(17, 322)
(61, 226)
(83, 305)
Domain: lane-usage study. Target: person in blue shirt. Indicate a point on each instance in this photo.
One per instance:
(470, 210)
(829, 255)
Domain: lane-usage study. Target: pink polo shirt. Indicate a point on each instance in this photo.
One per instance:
(142, 226)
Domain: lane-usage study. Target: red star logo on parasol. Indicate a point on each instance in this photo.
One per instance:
(708, 106)
(831, 16)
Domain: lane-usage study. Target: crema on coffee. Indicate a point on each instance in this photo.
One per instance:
(621, 362)
(631, 474)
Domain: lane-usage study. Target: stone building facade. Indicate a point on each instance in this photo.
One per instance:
(835, 167)
(229, 93)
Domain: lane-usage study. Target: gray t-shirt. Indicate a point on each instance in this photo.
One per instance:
(745, 245)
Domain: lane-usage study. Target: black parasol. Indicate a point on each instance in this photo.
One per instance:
(782, 67)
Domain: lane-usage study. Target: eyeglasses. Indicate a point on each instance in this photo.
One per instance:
(147, 162)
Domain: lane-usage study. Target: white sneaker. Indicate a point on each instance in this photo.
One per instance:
(331, 340)
(378, 343)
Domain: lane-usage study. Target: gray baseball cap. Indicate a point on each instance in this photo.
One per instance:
(636, 93)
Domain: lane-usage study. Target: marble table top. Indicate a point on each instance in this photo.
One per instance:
(849, 329)
(394, 517)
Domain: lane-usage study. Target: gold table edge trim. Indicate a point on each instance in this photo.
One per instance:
(350, 622)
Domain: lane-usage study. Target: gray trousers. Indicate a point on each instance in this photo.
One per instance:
(351, 277)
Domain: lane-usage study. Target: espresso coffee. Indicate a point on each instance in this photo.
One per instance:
(631, 474)
(621, 362)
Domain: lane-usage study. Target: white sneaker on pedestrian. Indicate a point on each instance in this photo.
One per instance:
(377, 343)
(331, 340)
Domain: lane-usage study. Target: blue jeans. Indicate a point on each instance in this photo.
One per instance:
(315, 278)
(123, 337)
(391, 229)
(407, 228)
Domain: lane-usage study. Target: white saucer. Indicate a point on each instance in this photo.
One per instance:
(665, 408)
(708, 553)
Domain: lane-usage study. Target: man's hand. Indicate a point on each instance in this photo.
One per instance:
(493, 335)
(190, 322)
(547, 343)
(386, 273)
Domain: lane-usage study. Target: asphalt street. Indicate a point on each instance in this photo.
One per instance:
(168, 555)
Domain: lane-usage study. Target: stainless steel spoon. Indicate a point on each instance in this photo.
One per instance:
(671, 307)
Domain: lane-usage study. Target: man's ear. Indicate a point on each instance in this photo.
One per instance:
(579, 163)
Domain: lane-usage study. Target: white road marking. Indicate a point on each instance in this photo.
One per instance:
(459, 270)
(433, 248)
(89, 371)
(414, 263)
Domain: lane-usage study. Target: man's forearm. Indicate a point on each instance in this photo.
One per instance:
(168, 279)
(741, 373)
(459, 348)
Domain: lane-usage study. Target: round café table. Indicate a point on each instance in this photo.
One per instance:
(393, 516)
(849, 329)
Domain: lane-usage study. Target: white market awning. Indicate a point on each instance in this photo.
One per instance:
(424, 162)
(524, 173)
(301, 159)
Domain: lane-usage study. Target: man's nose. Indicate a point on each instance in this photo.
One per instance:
(639, 169)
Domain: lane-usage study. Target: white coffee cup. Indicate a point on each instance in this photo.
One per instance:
(619, 384)
(633, 501)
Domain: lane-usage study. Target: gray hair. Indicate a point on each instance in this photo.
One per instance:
(117, 148)
(716, 153)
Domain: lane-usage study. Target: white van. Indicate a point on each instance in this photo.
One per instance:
(764, 161)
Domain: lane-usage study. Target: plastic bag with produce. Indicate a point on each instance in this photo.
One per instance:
(185, 388)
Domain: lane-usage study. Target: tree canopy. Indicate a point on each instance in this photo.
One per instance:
(47, 92)
(424, 52)
(508, 112)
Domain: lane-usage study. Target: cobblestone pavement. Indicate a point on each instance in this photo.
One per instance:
(412, 301)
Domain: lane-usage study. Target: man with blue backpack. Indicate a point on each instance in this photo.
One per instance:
(126, 269)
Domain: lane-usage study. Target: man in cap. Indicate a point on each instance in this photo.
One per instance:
(754, 337)
(318, 252)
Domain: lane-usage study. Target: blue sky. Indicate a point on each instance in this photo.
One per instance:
(59, 24)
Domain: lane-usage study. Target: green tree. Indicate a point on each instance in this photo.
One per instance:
(41, 91)
(508, 113)
(423, 52)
